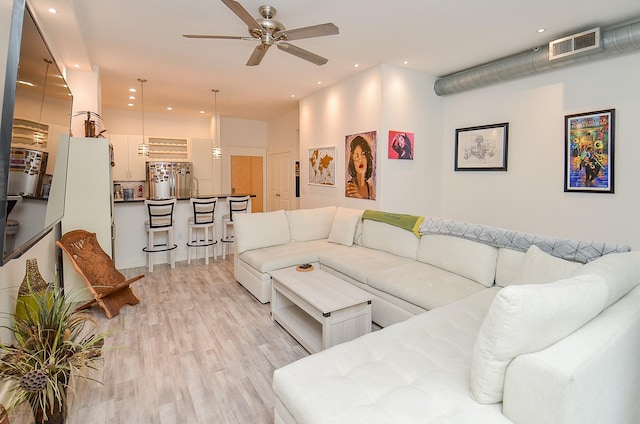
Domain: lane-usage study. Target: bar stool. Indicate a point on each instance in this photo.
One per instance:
(236, 204)
(160, 221)
(202, 219)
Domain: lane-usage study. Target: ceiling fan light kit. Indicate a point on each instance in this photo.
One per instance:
(268, 32)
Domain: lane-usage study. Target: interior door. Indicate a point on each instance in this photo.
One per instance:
(246, 177)
(280, 181)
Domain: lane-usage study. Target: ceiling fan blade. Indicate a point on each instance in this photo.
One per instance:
(223, 37)
(258, 54)
(319, 30)
(302, 53)
(242, 13)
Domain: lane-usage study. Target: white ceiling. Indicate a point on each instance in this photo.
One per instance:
(127, 40)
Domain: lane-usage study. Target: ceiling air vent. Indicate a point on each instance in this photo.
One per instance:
(575, 44)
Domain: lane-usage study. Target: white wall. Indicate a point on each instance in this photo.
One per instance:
(379, 99)
(326, 117)
(530, 195)
(155, 124)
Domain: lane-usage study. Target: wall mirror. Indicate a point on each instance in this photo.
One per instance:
(34, 151)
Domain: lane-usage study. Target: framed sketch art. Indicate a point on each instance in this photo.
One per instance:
(322, 166)
(482, 148)
(588, 151)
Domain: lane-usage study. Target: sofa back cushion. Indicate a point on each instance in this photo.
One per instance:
(473, 260)
(540, 267)
(257, 230)
(509, 261)
(528, 318)
(343, 227)
(310, 224)
(620, 271)
(389, 238)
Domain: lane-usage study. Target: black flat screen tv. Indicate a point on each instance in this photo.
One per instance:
(34, 135)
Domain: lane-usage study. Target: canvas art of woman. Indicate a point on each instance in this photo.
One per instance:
(361, 166)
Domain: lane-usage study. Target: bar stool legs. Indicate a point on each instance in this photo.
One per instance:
(160, 221)
(202, 219)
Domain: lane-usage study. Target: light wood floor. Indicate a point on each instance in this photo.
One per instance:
(198, 348)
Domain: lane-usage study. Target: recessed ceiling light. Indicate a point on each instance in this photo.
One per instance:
(132, 90)
(132, 97)
(169, 108)
(355, 65)
(406, 62)
(30, 84)
(541, 30)
(130, 104)
(76, 65)
(319, 82)
(202, 111)
(293, 95)
(52, 10)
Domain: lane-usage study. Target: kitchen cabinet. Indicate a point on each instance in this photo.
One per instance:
(129, 166)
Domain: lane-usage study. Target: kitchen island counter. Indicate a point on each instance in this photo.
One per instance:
(131, 235)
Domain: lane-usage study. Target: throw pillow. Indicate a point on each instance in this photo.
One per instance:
(540, 267)
(344, 225)
(310, 224)
(621, 272)
(528, 318)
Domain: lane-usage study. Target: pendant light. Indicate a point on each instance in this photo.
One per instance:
(40, 136)
(216, 150)
(143, 148)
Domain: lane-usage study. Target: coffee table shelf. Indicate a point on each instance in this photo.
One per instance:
(318, 309)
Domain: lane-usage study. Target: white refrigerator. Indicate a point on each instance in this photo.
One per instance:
(88, 202)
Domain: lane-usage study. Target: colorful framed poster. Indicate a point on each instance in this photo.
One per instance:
(588, 151)
(322, 166)
(360, 163)
(482, 148)
(400, 145)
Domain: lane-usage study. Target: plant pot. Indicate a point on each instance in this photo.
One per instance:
(57, 416)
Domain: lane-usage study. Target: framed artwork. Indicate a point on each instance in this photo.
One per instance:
(482, 148)
(588, 151)
(400, 145)
(322, 166)
(360, 163)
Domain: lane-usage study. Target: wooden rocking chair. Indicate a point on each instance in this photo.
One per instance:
(109, 286)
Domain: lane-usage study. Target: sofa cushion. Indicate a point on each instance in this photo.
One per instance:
(343, 227)
(416, 371)
(389, 238)
(509, 262)
(528, 318)
(358, 262)
(620, 271)
(257, 230)
(540, 267)
(310, 224)
(286, 255)
(476, 261)
(422, 284)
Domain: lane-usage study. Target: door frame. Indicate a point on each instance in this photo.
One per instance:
(227, 152)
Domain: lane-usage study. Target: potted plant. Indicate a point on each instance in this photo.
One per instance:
(53, 346)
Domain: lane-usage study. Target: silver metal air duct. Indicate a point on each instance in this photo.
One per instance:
(617, 40)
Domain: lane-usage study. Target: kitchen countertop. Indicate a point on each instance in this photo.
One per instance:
(200, 196)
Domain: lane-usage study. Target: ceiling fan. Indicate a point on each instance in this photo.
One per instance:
(269, 32)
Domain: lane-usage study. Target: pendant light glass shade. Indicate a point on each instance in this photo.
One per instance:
(216, 150)
(143, 148)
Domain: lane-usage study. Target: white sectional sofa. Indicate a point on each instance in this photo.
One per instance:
(491, 325)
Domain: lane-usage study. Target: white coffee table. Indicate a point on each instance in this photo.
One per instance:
(318, 309)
